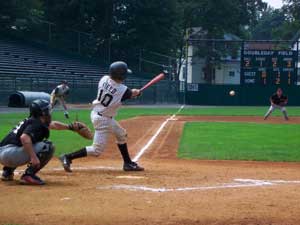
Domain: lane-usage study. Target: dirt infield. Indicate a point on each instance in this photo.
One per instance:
(170, 191)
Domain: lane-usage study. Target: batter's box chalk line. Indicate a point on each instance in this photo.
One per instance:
(78, 168)
(238, 183)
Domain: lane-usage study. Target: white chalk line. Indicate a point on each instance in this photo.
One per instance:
(79, 168)
(238, 183)
(152, 139)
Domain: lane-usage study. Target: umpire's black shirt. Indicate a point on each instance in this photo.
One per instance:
(278, 100)
(30, 126)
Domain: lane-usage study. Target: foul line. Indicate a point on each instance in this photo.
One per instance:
(238, 183)
(143, 150)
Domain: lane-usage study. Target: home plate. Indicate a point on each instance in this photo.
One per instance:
(130, 177)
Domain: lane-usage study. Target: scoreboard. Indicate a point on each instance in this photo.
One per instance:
(269, 67)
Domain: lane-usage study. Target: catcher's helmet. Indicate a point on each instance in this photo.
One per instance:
(119, 70)
(39, 108)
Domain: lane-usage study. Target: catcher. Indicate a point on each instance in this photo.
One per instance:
(59, 94)
(27, 143)
(111, 94)
(278, 101)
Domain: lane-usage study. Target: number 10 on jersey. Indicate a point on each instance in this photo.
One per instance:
(104, 100)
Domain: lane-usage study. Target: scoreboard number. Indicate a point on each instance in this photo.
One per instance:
(274, 62)
(264, 77)
(277, 79)
(247, 62)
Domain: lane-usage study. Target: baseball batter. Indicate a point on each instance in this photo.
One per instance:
(27, 144)
(278, 101)
(59, 94)
(111, 94)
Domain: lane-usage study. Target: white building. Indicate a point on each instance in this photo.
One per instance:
(227, 72)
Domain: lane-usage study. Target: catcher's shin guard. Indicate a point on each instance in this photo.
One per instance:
(44, 155)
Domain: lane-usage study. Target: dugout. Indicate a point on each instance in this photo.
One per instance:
(24, 98)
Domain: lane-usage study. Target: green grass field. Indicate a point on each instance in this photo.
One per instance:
(193, 138)
(240, 141)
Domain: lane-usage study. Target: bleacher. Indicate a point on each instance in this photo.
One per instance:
(17, 60)
(27, 68)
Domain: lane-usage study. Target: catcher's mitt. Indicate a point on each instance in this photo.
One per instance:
(82, 129)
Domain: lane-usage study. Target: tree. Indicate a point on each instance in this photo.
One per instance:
(11, 10)
(267, 26)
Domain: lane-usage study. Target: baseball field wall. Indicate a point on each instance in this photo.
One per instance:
(244, 95)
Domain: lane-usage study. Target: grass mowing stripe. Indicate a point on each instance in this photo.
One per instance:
(240, 141)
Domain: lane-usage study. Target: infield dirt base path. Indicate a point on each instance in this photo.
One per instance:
(99, 192)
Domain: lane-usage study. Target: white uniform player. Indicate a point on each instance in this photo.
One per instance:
(111, 94)
(59, 94)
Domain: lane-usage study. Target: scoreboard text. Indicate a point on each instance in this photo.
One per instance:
(268, 67)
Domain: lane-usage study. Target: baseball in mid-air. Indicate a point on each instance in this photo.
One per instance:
(232, 93)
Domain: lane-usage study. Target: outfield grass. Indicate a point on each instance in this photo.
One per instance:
(67, 141)
(240, 141)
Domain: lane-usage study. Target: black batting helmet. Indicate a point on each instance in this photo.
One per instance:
(39, 107)
(119, 70)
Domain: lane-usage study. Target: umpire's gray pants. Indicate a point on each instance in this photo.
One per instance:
(14, 156)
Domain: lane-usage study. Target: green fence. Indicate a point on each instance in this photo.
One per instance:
(245, 95)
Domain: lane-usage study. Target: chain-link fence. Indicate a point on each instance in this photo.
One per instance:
(85, 90)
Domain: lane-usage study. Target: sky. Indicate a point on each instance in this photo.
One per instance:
(274, 3)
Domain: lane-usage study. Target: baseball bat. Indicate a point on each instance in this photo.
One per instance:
(153, 81)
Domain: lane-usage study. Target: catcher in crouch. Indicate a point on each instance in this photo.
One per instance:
(111, 94)
(27, 143)
(278, 101)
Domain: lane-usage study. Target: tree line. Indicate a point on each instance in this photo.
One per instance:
(156, 25)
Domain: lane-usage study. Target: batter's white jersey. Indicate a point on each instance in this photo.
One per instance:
(109, 98)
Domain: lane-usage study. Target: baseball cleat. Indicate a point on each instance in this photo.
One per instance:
(132, 166)
(31, 179)
(66, 163)
(7, 174)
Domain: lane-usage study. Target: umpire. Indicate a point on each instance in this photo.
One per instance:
(27, 144)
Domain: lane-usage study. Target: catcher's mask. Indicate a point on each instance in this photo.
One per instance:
(119, 70)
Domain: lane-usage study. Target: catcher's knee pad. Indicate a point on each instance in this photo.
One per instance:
(44, 153)
(95, 150)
